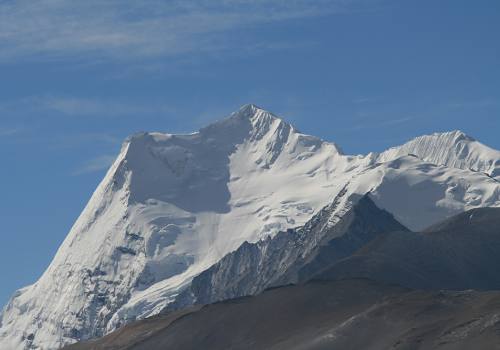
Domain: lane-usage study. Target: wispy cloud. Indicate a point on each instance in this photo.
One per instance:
(75, 140)
(9, 131)
(363, 100)
(76, 106)
(96, 164)
(396, 121)
(127, 29)
(381, 123)
(479, 103)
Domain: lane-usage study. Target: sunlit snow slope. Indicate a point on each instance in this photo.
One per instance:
(173, 205)
(454, 149)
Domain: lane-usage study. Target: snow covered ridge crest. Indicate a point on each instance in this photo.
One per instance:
(171, 206)
(454, 149)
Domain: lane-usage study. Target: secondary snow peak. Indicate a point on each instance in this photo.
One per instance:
(453, 149)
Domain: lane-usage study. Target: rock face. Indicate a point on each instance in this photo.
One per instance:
(352, 238)
(349, 314)
(293, 256)
(173, 205)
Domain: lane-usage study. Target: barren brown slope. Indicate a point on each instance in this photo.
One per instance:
(351, 314)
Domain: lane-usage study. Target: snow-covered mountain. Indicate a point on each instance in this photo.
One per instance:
(173, 205)
(292, 256)
(453, 149)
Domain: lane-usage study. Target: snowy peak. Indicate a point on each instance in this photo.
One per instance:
(448, 138)
(253, 113)
(168, 166)
(249, 118)
(171, 206)
(459, 135)
(196, 166)
(257, 116)
(247, 121)
(258, 125)
(454, 149)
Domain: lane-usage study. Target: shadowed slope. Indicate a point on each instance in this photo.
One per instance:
(461, 253)
(336, 232)
(355, 314)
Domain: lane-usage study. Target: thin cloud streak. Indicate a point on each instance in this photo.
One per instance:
(71, 106)
(69, 141)
(134, 29)
(97, 164)
(396, 121)
(381, 123)
(8, 131)
(75, 106)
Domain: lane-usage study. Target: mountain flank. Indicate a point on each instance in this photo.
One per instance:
(348, 314)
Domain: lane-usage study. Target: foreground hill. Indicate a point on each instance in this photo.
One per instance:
(349, 314)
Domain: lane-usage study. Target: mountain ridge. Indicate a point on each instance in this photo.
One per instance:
(459, 253)
(337, 231)
(173, 205)
(452, 148)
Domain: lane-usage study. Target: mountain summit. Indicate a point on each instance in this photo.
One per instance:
(171, 206)
(454, 149)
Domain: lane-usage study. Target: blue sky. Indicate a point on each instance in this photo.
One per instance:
(78, 77)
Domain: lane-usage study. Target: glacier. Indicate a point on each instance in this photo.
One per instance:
(171, 206)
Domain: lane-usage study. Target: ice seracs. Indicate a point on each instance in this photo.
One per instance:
(173, 205)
